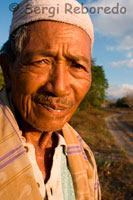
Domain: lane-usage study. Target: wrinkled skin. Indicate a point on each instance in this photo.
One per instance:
(49, 79)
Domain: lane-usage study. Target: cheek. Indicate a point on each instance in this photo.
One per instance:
(81, 87)
(22, 103)
(28, 83)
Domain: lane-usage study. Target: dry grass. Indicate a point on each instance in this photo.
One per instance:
(115, 171)
(127, 119)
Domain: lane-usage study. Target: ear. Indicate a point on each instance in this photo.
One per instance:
(4, 62)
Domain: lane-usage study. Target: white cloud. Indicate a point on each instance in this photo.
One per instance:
(123, 63)
(130, 55)
(119, 91)
(128, 87)
(125, 43)
(118, 26)
(110, 48)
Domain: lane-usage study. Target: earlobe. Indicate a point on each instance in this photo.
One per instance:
(4, 63)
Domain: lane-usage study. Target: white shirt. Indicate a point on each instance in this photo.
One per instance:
(53, 188)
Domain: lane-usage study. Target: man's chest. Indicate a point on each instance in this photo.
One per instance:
(44, 160)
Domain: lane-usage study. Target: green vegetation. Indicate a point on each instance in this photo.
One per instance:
(96, 95)
(125, 102)
(122, 103)
(1, 79)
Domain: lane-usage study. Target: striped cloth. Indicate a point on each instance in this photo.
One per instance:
(17, 180)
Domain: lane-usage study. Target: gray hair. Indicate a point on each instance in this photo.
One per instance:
(13, 46)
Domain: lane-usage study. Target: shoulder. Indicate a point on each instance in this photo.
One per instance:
(7, 119)
(87, 150)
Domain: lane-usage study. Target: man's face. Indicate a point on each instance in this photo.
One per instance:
(52, 75)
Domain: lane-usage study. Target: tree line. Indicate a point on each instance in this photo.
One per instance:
(97, 93)
(125, 102)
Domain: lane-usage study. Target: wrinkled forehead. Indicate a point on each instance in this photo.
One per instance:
(49, 35)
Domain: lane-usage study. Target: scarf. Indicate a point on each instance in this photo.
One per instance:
(17, 180)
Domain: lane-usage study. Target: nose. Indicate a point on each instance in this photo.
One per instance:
(59, 85)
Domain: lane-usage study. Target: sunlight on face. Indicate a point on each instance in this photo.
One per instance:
(52, 75)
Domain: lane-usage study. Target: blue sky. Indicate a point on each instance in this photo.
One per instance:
(113, 46)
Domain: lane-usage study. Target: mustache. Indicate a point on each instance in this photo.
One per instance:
(50, 100)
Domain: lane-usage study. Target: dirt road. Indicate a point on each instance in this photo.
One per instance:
(122, 133)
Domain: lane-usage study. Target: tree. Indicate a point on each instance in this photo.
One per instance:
(96, 95)
(122, 102)
(125, 102)
(1, 79)
(130, 98)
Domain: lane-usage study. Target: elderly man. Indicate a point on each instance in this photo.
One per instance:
(47, 70)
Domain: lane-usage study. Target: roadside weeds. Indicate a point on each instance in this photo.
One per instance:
(114, 167)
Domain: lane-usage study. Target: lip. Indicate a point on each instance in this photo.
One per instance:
(54, 108)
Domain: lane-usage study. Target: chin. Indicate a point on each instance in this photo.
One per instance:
(48, 123)
(45, 128)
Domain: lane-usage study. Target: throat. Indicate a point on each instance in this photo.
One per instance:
(45, 160)
(44, 145)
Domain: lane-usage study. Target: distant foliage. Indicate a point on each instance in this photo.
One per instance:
(96, 95)
(130, 99)
(124, 102)
(1, 79)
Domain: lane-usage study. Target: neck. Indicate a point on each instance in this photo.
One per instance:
(41, 139)
(44, 144)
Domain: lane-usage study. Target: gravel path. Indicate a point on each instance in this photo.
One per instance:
(122, 133)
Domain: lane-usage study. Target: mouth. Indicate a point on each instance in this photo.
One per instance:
(54, 106)
(54, 109)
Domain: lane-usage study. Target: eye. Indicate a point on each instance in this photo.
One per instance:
(78, 66)
(43, 61)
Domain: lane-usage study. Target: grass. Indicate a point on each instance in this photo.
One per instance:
(115, 170)
(127, 119)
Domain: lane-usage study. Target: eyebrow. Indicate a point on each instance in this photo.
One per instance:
(54, 53)
(41, 53)
(78, 57)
